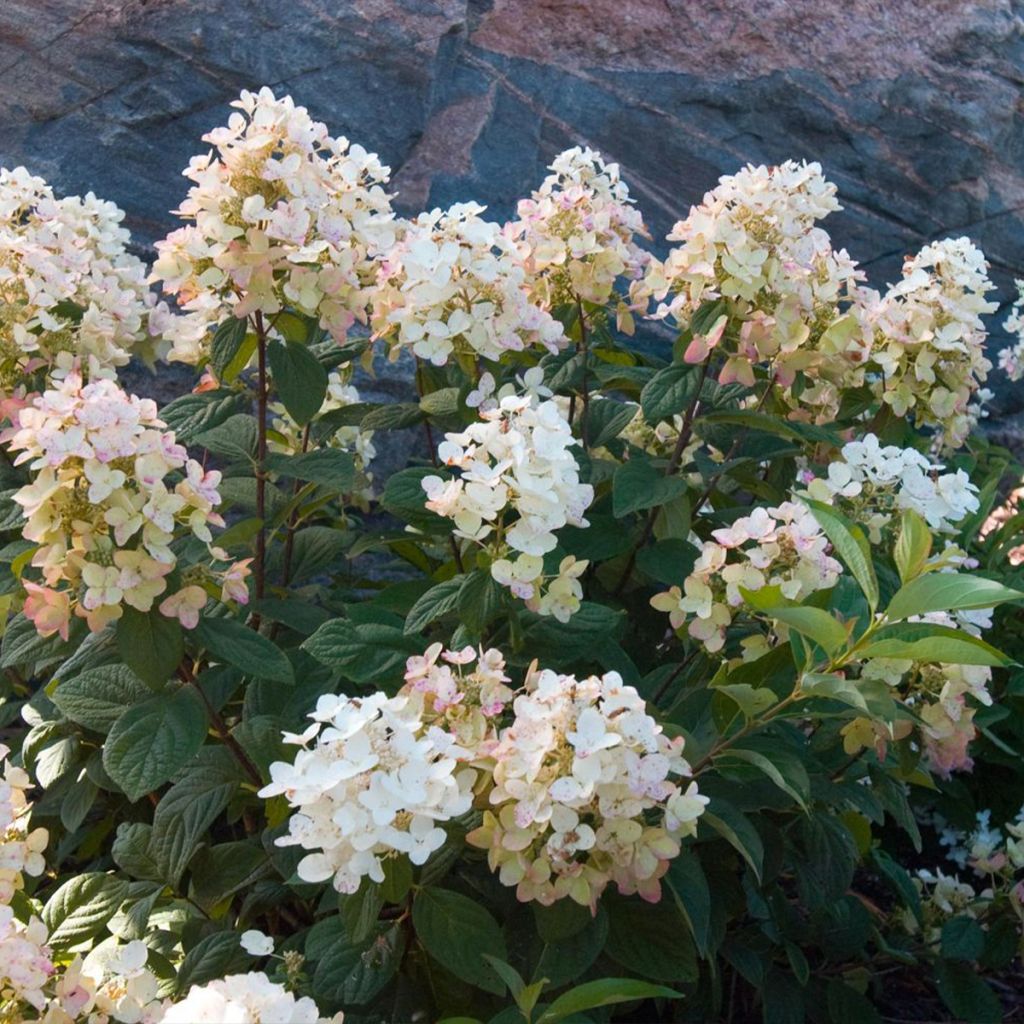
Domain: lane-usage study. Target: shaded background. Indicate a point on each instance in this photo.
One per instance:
(914, 107)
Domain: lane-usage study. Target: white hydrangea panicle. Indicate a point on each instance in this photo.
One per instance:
(576, 234)
(71, 294)
(518, 484)
(586, 791)
(375, 783)
(783, 546)
(754, 243)
(26, 965)
(280, 214)
(1011, 359)
(928, 352)
(451, 286)
(21, 847)
(101, 509)
(871, 483)
(245, 999)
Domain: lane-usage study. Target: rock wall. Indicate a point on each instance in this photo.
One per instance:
(914, 107)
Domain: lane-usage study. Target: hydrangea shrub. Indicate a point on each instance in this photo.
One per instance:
(667, 682)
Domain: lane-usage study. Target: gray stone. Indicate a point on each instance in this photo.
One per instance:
(914, 109)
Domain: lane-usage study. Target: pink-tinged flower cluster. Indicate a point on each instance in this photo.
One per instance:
(70, 292)
(463, 691)
(518, 484)
(280, 215)
(872, 482)
(101, 510)
(21, 847)
(1011, 359)
(576, 234)
(245, 999)
(754, 244)
(376, 783)
(585, 793)
(928, 349)
(25, 962)
(451, 286)
(783, 547)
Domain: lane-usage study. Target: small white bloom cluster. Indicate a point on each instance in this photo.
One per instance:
(516, 459)
(69, 289)
(287, 434)
(375, 784)
(100, 510)
(575, 234)
(929, 341)
(21, 848)
(281, 214)
(111, 984)
(871, 482)
(754, 243)
(1011, 360)
(245, 999)
(577, 776)
(451, 284)
(783, 547)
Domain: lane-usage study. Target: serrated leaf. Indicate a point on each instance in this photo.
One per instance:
(851, 546)
(638, 485)
(230, 641)
(98, 697)
(669, 392)
(153, 740)
(81, 907)
(189, 415)
(214, 956)
(299, 378)
(329, 467)
(151, 644)
(437, 601)
(228, 339)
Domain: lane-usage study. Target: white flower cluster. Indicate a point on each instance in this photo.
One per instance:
(577, 776)
(69, 290)
(452, 284)
(375, 784)
(871, 482)
(21, 848)
(575, 234)
(754, 243)
(245, 999)
(928, 352)
(1011, 360)
(281, 215)
(783, 547)
(286, 436)
(100, 510)
(516, 459)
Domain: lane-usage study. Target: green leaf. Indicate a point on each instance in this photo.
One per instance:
(215, 956)
(638, 485)
(329, 467)
(935, 644)
(735, 828)
(966, 995)
(850, 545)
(606, 419)
(153, 740)
(947, 591)
(792, 780)
(227, 342)
(669, 392)
(405, 498)
(457, 931)
(188, 809)
(81, 907)
(847, 1006)
(565, 960)
(393, 416)
(437, 601)
(443, 402)
(665, 953)
(821, 627)
(97, 697)
(913, 546)
(763, 422)
(834, 687)
(299, 377)
(190, 415)
(605, 992)
(230, 641)
(508, 974)
(689, 885)
(353, 973)
(479, 600)
(900, 881)
(236, 438)
(962, 938)
(363, 652)
(151, 644)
